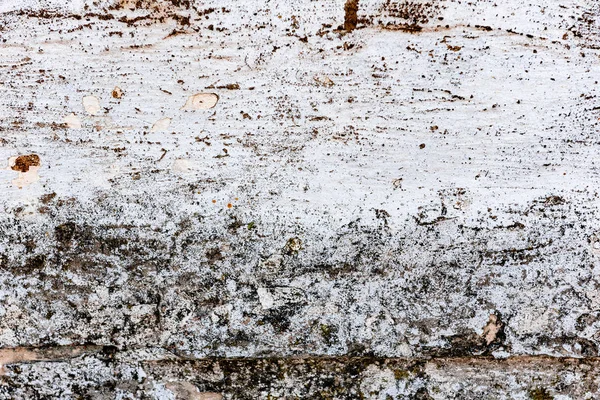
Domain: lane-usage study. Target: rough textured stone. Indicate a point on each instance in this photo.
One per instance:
(310, 199)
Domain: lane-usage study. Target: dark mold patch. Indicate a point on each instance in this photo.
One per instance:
(540, 394)
(213, 255)
(280, 318)
(35, 263)
(64, 233)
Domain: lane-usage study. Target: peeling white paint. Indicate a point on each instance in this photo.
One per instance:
(91, 104)
(396, 185)
(73, 121)
(201, 101)
(161, 125)
(181, 165)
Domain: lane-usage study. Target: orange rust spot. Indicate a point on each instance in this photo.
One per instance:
(117, 93)
(22, 163)
(229, 205)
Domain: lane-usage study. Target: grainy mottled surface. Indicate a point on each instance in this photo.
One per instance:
(310, 199)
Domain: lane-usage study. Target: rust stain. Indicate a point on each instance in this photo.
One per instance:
(22, 163)
(350, 15)
(117, 92)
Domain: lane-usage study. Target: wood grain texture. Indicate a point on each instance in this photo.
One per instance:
(278, 179)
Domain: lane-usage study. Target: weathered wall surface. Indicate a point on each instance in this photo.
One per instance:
(309, 199)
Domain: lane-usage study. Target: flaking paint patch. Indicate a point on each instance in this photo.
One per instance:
(161, 125)
(266, 298)
(201, 101)
(491, 329)
(72, 121)
(27, 166)
(181, 165)
(91, 104)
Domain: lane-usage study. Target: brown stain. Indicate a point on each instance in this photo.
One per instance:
(22, 163)
(350, 15)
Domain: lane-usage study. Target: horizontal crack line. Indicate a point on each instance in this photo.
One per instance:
(25, 354)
